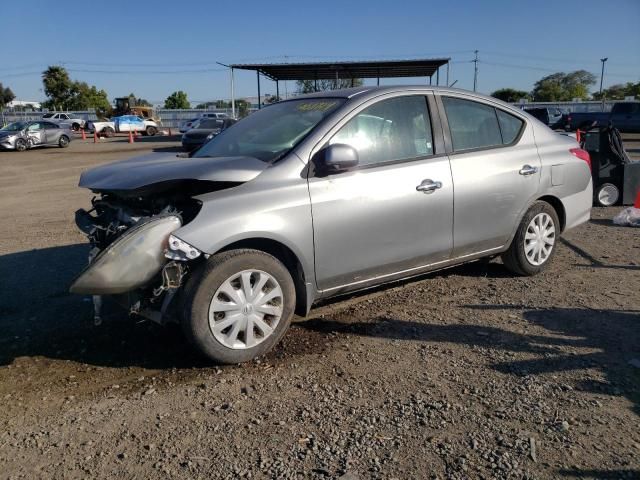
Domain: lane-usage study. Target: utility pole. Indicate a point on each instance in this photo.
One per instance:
(602, 73)
(475, 72)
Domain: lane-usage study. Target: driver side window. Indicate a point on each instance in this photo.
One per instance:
(394, 129)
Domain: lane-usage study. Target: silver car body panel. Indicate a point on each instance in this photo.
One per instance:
(156, 168)
(357, 229)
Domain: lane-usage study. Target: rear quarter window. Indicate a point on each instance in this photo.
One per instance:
(510, 126)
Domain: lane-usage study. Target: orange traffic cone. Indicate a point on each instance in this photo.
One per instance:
(95, 137)
(130, 137)
(636, 204)
(84, 135)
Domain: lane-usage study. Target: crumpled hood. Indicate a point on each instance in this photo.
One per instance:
(162, 167)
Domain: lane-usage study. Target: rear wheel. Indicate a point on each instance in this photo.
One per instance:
(238, 305)
(607, 195)
(75, 126)
(151, 131)
(63, 142)
(21, 145)
(108, 132)
(535, 241)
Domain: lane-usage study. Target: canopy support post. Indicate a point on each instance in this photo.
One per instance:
(277, 91)
(258, 77)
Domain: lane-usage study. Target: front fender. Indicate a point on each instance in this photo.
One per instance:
(245, 212)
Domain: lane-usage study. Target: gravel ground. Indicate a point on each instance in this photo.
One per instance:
(465, 373)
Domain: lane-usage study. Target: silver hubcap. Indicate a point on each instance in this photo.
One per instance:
(608, 195)
(539, 239)
(246, 309)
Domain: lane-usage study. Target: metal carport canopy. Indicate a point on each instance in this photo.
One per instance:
(331, 70)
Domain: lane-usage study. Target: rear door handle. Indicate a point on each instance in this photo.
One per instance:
(528, 170)
(428, 186)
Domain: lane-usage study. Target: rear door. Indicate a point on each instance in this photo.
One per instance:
(52, 132)
(377, 220)
(496, 171)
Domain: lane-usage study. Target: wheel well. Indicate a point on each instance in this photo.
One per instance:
(287, 257)
(558, 207)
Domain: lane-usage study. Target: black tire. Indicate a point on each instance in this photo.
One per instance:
(21, 145)
(75, 127)
(204, 283)
(607, 195)
(108, 132)
(515, 258)
(151, 131)
(63, 142)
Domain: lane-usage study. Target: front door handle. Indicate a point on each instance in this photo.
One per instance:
(428, 186)
(528, 170)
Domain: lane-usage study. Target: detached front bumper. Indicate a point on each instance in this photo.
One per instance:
(131, 261)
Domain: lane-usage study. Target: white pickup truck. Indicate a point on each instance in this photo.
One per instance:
(123, 124)
(68, 120)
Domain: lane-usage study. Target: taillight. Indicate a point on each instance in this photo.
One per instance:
(582, 155)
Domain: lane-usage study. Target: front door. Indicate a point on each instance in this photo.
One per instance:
(392, 213)
(36, 134)
(496, 173)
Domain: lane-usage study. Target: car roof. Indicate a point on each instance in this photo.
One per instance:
(366, 92)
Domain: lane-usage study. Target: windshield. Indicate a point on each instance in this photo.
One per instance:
(14, 127)
(271, 132)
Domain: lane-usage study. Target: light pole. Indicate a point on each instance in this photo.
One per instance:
(602, 74)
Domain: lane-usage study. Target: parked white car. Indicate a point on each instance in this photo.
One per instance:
(69, 120)
(123, 124)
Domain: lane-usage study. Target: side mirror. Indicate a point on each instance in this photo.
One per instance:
(338, 158)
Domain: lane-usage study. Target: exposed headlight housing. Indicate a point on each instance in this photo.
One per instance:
(131, 261)
(181, 250)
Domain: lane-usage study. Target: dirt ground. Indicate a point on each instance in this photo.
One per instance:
(465, 373)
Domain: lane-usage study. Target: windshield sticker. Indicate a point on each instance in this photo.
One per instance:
(316, 106)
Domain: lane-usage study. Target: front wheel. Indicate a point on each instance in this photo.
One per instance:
(535, 241)
(151, 131)
(238, 305)
(21, 145)
(63, 142)
(108, 132)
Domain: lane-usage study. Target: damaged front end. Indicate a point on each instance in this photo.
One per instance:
(140, 203)
(134, 255)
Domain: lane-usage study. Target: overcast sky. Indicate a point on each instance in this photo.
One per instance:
(155, 48)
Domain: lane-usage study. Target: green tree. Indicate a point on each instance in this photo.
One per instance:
(65, 94)
(87, 96)
(58, 87)
(510, 95)
(309, 86)
(177, 100)
(619, 92)
(6, 95)
(559, 87)
(242, 108)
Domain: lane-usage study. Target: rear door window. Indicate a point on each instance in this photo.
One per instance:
(394, 129)
(472, 124)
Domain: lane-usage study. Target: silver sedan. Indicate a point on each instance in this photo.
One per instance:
(322, 195)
